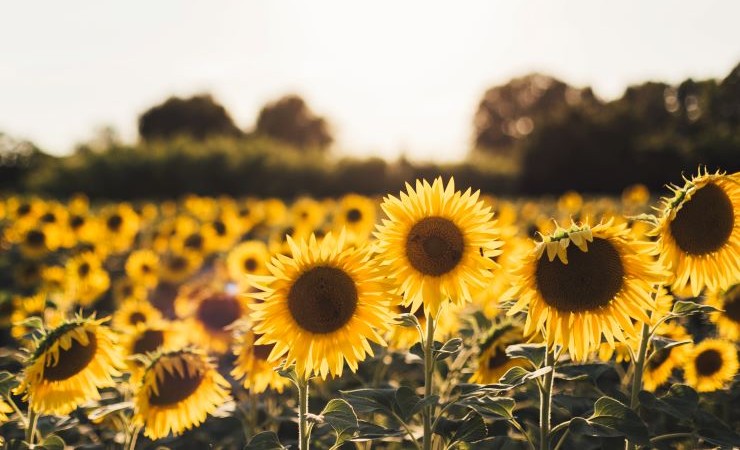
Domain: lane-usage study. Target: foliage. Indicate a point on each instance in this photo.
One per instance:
(199, 117)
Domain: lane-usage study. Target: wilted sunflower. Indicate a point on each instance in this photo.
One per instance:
(322, 306)
(493, 362)
(661, 364)
(178, 390)
(712, 364)
(437, 244)
(142, 266)
(699, 232)
(86, 279)
(728, 318)
(248, 258)
(252, 366)
(581, 283)
(68, 366)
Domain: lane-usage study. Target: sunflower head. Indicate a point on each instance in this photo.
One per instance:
(252, 366)
(727, 318)
(177, 391)
(584, 282)
(660, 366)
(211, 314)
(712, 364)
(437, 243)
(322, 306)
(69, 364)
(142, 267)
(493, 362)
(247, 258)
(699, 232)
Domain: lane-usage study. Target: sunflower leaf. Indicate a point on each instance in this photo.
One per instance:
(534, 353)
(370, 431)
(685, 308)
(408, 320)
(613, 418)
(450, 348)
(501, 407)
(33, 323)
(516, 376)
(664, 343)
(342, 418)
(53, 442)
(266, 440)
(715, 431)
(371, 400)
(472, 428)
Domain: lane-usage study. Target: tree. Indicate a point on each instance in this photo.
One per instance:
(199, 117)
(290, 120)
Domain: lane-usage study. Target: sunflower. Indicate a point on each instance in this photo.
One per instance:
(142, 266)
(699, 232)
(5, 409)
(178, 266)
(211, 314)
(177, 391)
(712, 364)
(447, 325)
(356, 213)
(222, 231)
(307, 213)
(68, 366)
(660, 365)
(133, 312)
(86, 279)
(493, 362)
(322, 306)
(197, 242)
(120, 223)
(125, 289)
(33, 306)
(248, 258)
(727, 318)
(437, 243)
(38, 241)
(581, 283)
(148, 337)
(252, 366)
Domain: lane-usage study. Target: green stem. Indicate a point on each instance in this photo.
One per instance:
(33, 419)
(637, 374)
(667, 437)
(134, 437)
(562, 439)
(408, 431)
(546, 401)
(17, 410)
(518, 426)
(302, 414)
(428, 381)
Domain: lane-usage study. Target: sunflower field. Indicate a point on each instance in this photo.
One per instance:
(431, 318)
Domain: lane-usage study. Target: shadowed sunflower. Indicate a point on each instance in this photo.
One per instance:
(728, 318)
(582, 283)
(493, 362)
(252, 366)
(68, 366)
(211, 315)
(322, 306)
(699, 232)
(661, 364)
(437, 244)
(178, 390)
(712, 365)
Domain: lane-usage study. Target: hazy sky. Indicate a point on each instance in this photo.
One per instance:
(391, 76)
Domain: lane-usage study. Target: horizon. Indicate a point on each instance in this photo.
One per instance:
(107, 64)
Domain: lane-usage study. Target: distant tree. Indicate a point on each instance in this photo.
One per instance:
(19, 159)
(290, 120)
(511, 112)
(199, 117)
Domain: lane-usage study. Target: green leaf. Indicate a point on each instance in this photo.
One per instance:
(497, 443)
(714, 430)
(686, 308)
(33, 323)
(407, 403)
(266, 440)
(681, 401)
(103, 411)
(492, 406)
(472, 428)
(371, 400)
(53, 442)
(535, 353)
(7, 382)
(579, 425)
(370, 432)
(342, 418)
(450, 348)
(574, 372)
(516, 376)
(408, 320)
(664, 343)
(617, 416)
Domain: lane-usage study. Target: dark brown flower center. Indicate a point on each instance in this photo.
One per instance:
(72, 360)
(498, 360)
(708, 362)
(114, 222)
(148, 341)
(250, 264)
(589, 281)
(434, 246)
(219, 227)
(323, 299)
(219, 311)
(49, 218)
(174, 388)
(35, 238)
(659, 358)
(354, 215)
(732, 303)
(83, 269)
(261, 351)
(177, 263)
(76, 222)
(194, 241)
(705, 222)
(136, 317)
(24, 209)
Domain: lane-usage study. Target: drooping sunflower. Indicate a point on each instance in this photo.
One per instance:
(727, 318)
(437, 243)
(248, 258)
(699, 232)
(86, 279)
(322, 306)
(142, 266)
(252, 366)
(661, 364)
(493, 362)
(584, 282)
(177, 391)
(713, 363)
(69, 364)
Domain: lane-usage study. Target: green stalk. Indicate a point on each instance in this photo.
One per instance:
(546, 400)
(637, 374)
(302, 414)
(428, 382)
(33, 419)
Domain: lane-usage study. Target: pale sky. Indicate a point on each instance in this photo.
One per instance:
(391, 76)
